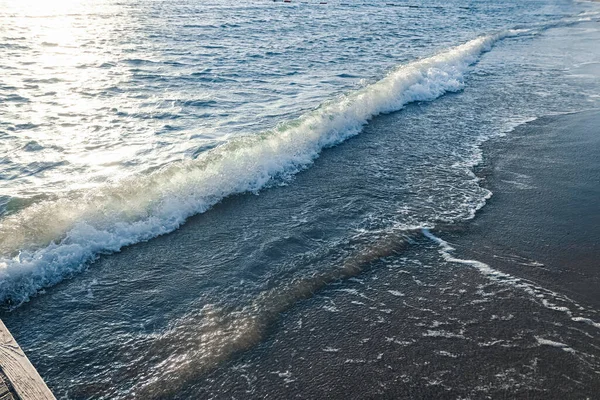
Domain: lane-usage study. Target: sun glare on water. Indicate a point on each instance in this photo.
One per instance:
(58, 48)
(43, 7)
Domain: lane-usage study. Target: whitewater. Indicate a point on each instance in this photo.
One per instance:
(51, 240)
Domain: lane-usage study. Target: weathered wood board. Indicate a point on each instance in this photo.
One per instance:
(18, 378)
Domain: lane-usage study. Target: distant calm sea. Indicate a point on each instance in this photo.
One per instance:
(300, 142)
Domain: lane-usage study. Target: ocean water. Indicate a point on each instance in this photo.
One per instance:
(174, 175)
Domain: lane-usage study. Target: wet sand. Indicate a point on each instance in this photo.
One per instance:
(418, 325)
(543, 221)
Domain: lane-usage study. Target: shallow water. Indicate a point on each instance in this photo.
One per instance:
(120, 120)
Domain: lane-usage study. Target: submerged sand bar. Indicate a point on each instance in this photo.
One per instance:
(18, 378)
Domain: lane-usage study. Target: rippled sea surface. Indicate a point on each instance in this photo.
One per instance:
(176, 174)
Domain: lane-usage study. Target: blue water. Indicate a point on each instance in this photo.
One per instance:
(121, 120)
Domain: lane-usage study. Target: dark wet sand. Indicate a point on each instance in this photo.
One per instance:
(546, 205)
(416, 326)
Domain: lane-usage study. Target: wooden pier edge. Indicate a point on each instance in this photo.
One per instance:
(19, 380)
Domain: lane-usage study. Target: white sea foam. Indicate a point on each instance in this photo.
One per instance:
(396, 293)
(547, 342)
(49, 241)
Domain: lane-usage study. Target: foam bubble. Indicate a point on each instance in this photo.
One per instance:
(547, 342)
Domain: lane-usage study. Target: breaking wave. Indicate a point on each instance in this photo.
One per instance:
(47, 242)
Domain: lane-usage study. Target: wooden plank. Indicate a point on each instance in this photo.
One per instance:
(23, 379)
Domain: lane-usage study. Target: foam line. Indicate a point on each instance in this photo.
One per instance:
(545, 297)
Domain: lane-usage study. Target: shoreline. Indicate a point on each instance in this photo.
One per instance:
(416, 325)
(543, 211)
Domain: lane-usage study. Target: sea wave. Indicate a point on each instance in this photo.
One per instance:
(47, 242)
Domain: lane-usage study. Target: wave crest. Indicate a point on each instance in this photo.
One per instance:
(46, 242)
